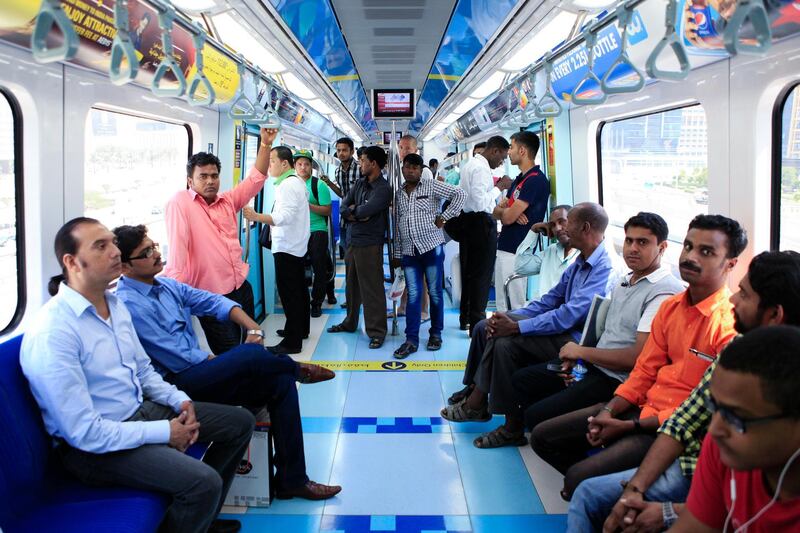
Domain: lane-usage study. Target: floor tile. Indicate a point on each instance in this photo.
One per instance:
(252, 523)
(388, 394)
(520, 524)
(326, 398)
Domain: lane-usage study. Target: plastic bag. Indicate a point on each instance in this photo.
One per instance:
(395, 292)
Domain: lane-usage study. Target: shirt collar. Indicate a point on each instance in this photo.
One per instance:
(531, 171)
(78, 302)
(597, 256)
(710, 304)
(570, 255)
(140, 287)
(283, 176)
(482, 160)
(654, 276)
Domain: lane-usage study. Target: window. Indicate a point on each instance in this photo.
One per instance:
(657, 163)
(133, 166)
(12, 284)
(786, 181)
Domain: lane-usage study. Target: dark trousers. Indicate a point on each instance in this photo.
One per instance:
(477, 250)
(290, 280)
(543, 395)
(322, 266)
(225, 335)
(251, 376)
(561, 441)
(365, 285)
(197, 488)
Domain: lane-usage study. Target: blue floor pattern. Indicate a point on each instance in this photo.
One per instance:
(402, 467)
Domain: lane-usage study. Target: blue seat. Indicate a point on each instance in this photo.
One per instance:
(36, 494)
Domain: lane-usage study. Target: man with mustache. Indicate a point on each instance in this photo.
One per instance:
(687, 333)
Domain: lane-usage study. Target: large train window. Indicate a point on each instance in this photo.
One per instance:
(786, 181)
(12, 257)
(133, 165)
(656, 162)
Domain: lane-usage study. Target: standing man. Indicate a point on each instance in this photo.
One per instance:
(113, 419)
(479, 242)
(346, 176)
(204, 249)
(524, 204)
(433, 164)
(290, 233)
(366, 208)
(408, 145)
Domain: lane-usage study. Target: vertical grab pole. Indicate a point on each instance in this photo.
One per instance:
(394, 180)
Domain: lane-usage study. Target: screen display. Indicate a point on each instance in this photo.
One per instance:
(393, 103)
(387, 136)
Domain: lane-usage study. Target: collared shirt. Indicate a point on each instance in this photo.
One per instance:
(88, 377)
(417, 212)
(452, 177)
(371, 200)
(290, 215)
(204, 248)
(477, 182)
(565, 307)
(549, 265)
(689, 422)
(666, 370)
(346, 179)
(318, 222)
(162, 314)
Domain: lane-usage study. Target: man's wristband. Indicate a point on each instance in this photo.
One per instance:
(259, 332)
(607, 408)
(627, 485)
(265, 145)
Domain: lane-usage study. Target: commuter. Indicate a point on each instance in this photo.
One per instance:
(319, 205)
(420, 244)
(478, 242)
(248, 375)
(544, 394)
(769, 294)
(204, 249)
(114, 420)
(524, 204)
(366, 209)
(508, 341)
(290, 229)
(433, 164)
(747, 474)
(408, 145)
(687, 333)
(478, 148)
(452, 176)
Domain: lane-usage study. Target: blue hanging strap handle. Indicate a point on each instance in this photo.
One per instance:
(672, 40)
(166, 16)
(50, 15)
(590, 39)
(242, 108)
(122, 47)
(624, 17)
(548, 106)
(757, 13)
(200, 79)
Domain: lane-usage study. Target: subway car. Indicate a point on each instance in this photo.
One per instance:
(678, 119)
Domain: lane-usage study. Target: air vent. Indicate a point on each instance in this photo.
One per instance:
(406, 3)
(393, 32)
(393, 14)
(387, 55)
(394, 61)
(394, 48)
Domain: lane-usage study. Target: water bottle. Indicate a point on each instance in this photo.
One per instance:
(579, 371)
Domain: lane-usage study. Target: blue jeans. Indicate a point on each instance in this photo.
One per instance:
(431, 265)
(595, 497)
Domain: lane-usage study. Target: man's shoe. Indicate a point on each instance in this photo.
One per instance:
(282, 333)
(332, 299)
(375, 342)
(404, 350)
(463, 327)
(316, 310)
(280, 349)
(310, 373)
(343, 305)
(338, 328)
(434, 343)
(221, 525)
(310, 491)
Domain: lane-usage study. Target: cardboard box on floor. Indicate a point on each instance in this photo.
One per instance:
(251, 484)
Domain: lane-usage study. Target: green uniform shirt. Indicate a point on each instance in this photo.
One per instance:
(318, 222)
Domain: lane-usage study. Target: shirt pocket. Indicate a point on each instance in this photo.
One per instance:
(694, 367)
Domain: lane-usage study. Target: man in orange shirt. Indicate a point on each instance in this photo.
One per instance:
(687, 333)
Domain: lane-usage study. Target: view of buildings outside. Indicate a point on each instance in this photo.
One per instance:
(8, 217)
(790, 173)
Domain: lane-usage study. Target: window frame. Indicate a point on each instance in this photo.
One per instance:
(19, 211)
(777, 164)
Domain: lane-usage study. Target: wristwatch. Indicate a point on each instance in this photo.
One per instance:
(259, 332)
(668, 514)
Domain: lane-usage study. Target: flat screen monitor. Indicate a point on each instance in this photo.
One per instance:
(393, 103)
(387, 136)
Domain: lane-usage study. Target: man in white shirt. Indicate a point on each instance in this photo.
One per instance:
(478, 243)
(290, 223)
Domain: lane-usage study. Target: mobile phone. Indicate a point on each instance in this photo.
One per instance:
(555, 367)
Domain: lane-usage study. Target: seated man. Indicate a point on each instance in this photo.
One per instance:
(747, 476)
(247, 375)
(769, 294)
(114, 420)
(533, 334)
(687, 333)
(544, 394)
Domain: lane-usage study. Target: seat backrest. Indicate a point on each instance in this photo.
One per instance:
(24, 443)
(595, 321)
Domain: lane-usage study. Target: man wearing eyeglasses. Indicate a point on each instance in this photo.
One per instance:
(769, 294)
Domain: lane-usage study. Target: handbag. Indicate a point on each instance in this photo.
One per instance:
(265, 236)
(528, 259)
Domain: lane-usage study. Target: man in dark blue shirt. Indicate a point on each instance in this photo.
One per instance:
(525, 204)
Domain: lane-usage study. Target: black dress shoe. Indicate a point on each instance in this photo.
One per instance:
(316, 310)
(404, 350)
(331, 299)
(282, 333)
(221, 525)
(375, 342)
(463, 327)
(280, 349)
(338, 328)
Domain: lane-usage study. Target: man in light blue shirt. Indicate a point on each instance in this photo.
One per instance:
(114, 419)
(247, 375)
(535, 333)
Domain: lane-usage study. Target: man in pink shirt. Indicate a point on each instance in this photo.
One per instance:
(204, 249)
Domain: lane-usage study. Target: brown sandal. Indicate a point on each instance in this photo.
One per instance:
(461, 413)
(500, 437)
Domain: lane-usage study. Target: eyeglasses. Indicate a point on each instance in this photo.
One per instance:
(146, 253)
(738, 423)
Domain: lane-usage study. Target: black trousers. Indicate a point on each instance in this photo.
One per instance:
(226, 335)
(290, 280)
(322, 266)
(477, 251)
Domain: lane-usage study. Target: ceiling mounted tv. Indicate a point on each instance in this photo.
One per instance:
(393, 103)
(387, 136)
